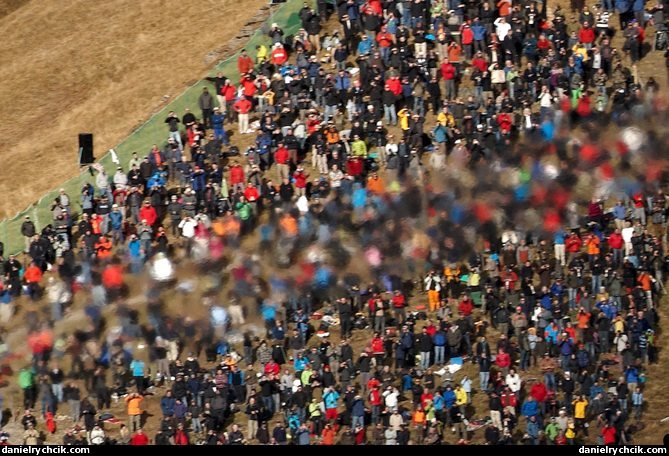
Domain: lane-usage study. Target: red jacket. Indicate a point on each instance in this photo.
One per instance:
(539, 392)
(112, 276)
(375, 397)
(609, 435)
(281, 156)
(616, 241)
(384, 39)
(272, 368)
(249, 88)
(251, 194)
(242, 106)
(354, 167)
(426, 397)
(180, 437)
(229, 92)
(509, 399)
(395, 86)
(300, 179)
(504, 121)
(139, 439)
(467, 35)
(586, 35)
(279, 56)
(503, 360)
(447, 71)
(377, 345)
(244, 64)
(573, 243)
(466, 307)
(480, 64)
(149, 214)
(236, 175)
(399, 302)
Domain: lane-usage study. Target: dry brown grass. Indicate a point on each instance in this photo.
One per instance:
(102, 67)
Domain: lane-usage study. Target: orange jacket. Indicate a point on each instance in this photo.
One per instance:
(134, 405)
(33, 274)
(644, 281)
(592, 245)
(96, 225)
(375, 186)
(289, 225)
(418, 417)
(328, 436)
(112, 276)
(104, 248)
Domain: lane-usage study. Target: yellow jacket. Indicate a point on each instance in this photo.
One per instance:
(579, 408)
(446, 119)
(460, 396)
(262, 53)
(403, 115)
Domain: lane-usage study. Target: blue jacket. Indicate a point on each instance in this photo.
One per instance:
(533, 429)
(631, 375)
(530, 408)
(135, 247)
(365, 46)
(167, 406)
(312, 69)
(331, 399)
(439, 402)
(137, 368)
(558, 237)
(217, 121)
(300, 364)
(595, 390)
(342, 82)
(478, 30)
(199, 181)
(449, 398)
(116, 219)
(623, 6)
(619, 211)
(440, 134)
(565, 348)
(358, 408)
(439, 338)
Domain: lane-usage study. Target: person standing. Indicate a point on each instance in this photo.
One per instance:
(206, 103)
(242, 107)
(28, 231)
(134, 403)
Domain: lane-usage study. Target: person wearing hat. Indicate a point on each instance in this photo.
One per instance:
(217, 121)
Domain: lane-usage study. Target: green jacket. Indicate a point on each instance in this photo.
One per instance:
(359, 148)
(244, 210)
(26, 379)
(552, 431)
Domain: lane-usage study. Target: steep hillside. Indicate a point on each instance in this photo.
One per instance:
(102, 67)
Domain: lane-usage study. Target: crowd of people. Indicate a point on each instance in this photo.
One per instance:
(413, 201)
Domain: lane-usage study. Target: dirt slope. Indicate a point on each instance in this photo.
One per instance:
(102, 67)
